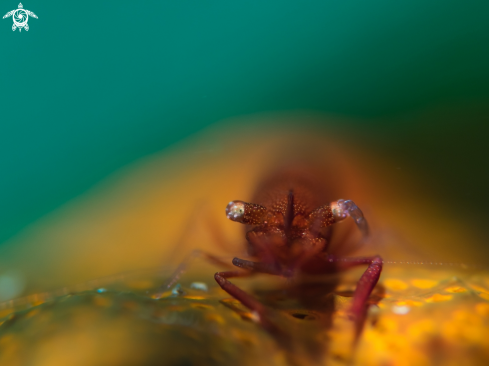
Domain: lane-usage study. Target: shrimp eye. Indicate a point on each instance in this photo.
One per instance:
(235, 211)
(245, 213)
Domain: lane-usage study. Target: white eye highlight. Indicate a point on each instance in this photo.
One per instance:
(235, 211)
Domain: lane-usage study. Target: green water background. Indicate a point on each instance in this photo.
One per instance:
(95, 85)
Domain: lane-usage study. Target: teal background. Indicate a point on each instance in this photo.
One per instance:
(95, 85)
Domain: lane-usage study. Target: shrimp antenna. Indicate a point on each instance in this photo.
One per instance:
(433, 263)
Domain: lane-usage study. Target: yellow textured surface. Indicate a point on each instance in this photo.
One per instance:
(411, 322)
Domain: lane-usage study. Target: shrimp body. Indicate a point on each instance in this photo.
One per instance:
(289, 228)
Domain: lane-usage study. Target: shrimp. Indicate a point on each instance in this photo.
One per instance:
(289, 229)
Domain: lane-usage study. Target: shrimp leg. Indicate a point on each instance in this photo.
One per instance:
(247, 300)
(365, 285)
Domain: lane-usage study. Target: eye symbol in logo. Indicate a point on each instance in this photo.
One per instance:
(20, 17)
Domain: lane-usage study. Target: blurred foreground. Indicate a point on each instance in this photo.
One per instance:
(422, 317)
